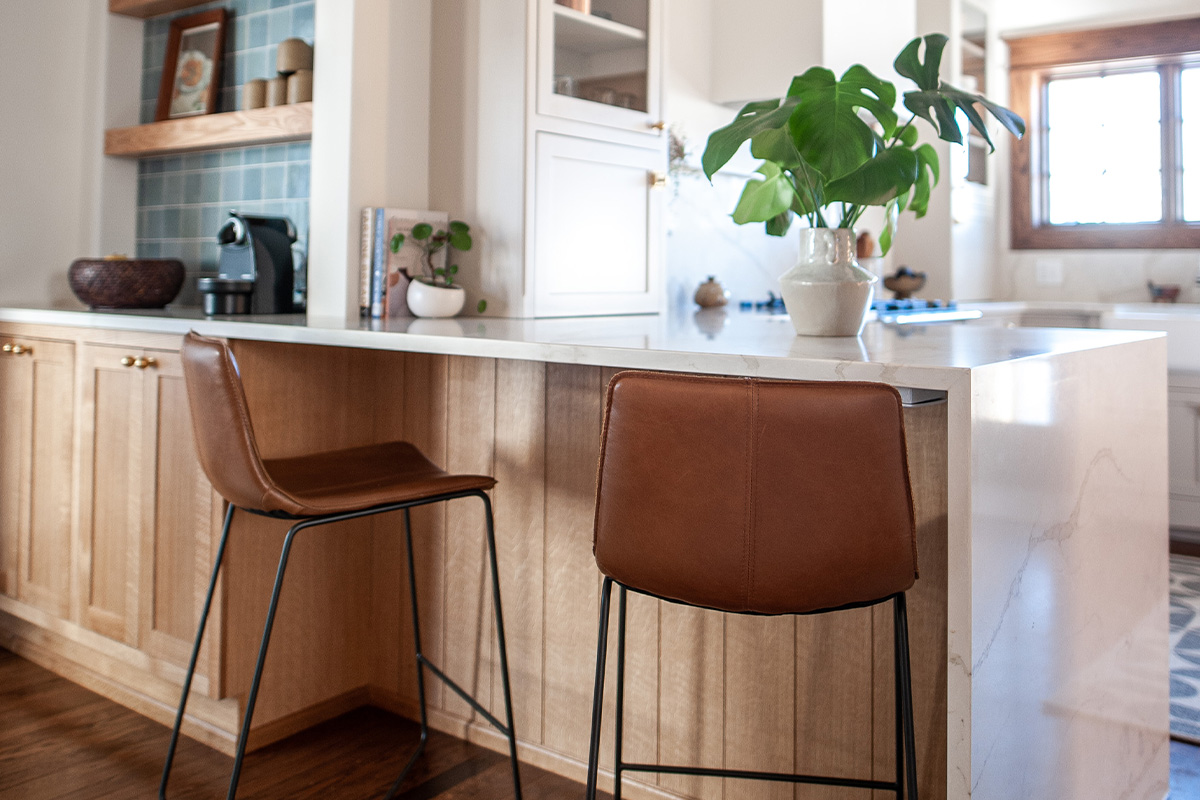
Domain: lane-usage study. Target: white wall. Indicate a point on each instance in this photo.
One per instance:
(1099, 275)
(59, 197)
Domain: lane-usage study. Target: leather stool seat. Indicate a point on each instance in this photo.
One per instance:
(337, 481)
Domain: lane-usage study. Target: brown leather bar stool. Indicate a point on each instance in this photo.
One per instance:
(799, 504)
(313, 490)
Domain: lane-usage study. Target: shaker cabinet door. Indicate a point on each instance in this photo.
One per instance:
(111, 432)
(597, 224)
(37, 378)
(178, 514)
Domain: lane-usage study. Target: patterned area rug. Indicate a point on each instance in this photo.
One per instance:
(1185, 648)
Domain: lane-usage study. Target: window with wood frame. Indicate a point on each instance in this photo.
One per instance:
(1111, 158)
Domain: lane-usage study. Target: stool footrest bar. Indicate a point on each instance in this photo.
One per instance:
(483, 712)
(854, 783)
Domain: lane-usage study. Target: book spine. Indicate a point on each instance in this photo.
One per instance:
(366, 264)
(379, 268)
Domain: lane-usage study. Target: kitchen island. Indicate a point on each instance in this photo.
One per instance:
(1039, 623)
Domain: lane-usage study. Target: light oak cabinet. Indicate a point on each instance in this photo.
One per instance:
(146, 508)
(36, 445)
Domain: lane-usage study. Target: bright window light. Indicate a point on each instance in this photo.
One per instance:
(1190, 80)
(1104, 148)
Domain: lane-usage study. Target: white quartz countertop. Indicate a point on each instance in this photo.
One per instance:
(933, 357)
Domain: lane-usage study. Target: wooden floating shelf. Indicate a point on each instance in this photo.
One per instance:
(212, 131)
(143, 9)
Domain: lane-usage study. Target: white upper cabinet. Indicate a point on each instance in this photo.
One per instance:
(600, 62)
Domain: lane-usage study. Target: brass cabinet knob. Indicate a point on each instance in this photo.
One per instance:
(15, 349)
(141, 362)
(658, 126)
(127, 361)
(658, 180)
(7, 348)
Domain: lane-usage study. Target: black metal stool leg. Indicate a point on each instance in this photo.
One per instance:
(416, 621)
(910, 744)
(620, 711)
(191, 670)
(598, 694)
(898, 681)
(512, 731)
(262, 655)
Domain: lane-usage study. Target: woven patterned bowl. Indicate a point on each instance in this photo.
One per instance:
(126, 283)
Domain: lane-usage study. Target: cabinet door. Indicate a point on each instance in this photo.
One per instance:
(177, 515)
(597, 223)
(37, 378)
(1183, 429)
(111, 490)
(599, 61)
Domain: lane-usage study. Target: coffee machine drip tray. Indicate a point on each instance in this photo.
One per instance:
(225, 296)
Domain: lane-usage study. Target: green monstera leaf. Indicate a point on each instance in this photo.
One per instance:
(753, 119)
(928, 173)
(826, 127)
(936, 101)
(879, 180)
(764, 200)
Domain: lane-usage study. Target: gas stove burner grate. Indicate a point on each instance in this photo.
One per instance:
(773, 303)
(914, 304)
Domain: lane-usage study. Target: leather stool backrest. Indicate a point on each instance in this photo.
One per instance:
(221, 423)
(756, 496)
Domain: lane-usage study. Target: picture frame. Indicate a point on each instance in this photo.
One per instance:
(191, 78)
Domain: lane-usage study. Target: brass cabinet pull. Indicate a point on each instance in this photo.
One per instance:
(658, 126)
(658, 180)
(16, 349)
(141, 362)
(127, 361)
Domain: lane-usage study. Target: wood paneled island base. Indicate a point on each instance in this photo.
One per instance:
(806, 694)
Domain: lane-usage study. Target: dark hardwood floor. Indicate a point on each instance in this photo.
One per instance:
(59, 740)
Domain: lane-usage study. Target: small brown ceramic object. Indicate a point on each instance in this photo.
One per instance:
(126, 282)
(254, 94)
(865, 245)
(711, 294)
(293, 55)
(300, 86)
(905, 282)
(277, 91)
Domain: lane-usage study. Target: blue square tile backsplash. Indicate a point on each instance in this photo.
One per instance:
(182, 200)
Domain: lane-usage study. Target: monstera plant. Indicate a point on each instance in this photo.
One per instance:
(833, 147)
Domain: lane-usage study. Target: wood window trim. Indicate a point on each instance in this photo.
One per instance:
(1031, 59)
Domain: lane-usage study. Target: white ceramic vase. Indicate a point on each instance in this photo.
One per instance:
(426, 300)
(827, 293)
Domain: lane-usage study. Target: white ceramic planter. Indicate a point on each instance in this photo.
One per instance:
(827, 293)
(427, 300)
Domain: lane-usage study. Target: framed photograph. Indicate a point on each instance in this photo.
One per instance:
(191, 75)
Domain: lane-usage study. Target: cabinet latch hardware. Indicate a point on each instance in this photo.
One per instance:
(658, 180)
(16, 349)
(658, 126)
(127, 361)
(143, 362)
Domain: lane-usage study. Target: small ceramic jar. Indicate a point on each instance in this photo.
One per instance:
(711, 294)
(254, 94)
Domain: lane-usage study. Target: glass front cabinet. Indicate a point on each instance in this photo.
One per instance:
(600, 158)
(600, 61)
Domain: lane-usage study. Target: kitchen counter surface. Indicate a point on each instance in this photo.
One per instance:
(932, 357)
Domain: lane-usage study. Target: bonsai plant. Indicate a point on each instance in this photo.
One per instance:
(834, 147)
(434, 294)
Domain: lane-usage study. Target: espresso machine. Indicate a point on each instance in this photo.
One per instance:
(257, 272)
